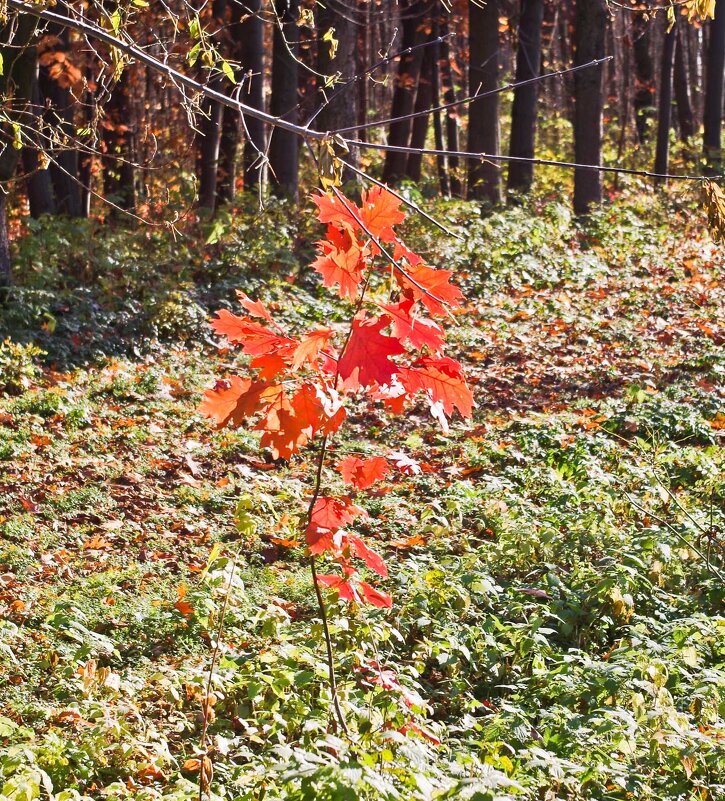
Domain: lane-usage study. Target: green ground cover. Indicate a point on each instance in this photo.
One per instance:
(554, 565)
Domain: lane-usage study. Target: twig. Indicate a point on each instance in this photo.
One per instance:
(473, 97)
(464, 154)
(402, 199)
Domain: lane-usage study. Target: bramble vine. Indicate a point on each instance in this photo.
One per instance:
(391, 352)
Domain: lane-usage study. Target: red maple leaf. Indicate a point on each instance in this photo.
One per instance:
(366, 359)
(363, 473)
(348, 591)
(418, 331)
(344, 588)
(269, 365)
(320, 540)
(443, 382)
(375, 597)
(235, 399)
(333, 513)
(373, 560)
(431, 286)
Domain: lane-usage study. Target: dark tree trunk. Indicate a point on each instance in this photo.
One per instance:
(405, 90)
(342, 111)
(210, 126)
(484, 177)
(284, 146)
(449, 96)
(664, 117)
(16, 87)
(443, 179)
(119, 174)
(590, 32)
(249, 32)
(364, 37)
(5, 265)
(644, 88)
(59, 100)
(228, 145)
(712, 136)
(523, 113)
(685, 118)
(423, 101)
(38, 184)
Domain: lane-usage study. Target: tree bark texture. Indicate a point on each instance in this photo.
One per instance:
(591, 27)
(523, 114)
(405, 89)
(644, 87)
(715, 70)
(58, 99)
(284, 146)
(484, 177)
(664, 117)
(16, 86)
(249, 33)
(423, 101)
(685, 119)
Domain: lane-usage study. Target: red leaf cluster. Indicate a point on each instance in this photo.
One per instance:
(392, 352)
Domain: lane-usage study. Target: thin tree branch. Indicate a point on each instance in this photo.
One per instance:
(473, 97)
(544, 162)
(132, 50)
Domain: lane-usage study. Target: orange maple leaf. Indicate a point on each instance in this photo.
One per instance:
(380, 211)
(233, 400)
(310, 346)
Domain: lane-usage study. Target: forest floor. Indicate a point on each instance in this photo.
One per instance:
(553, 565)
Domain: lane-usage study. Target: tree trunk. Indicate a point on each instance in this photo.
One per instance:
(249, 32)
(405, 90)
(685, 118)
(5, 265)
(16, 87)
(119, 174)
(484, 177)
(59, 101)
(712, 136)
(664, 117)
(590, 31)
(445, 185)
(644, 91)
(449, 96)
(284, 145)
(523, 113)
(38, 184)
(343, 110)
(228, 145)
(423, 101)
(210, 125)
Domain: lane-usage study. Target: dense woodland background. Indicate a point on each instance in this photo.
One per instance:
(88, 133)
